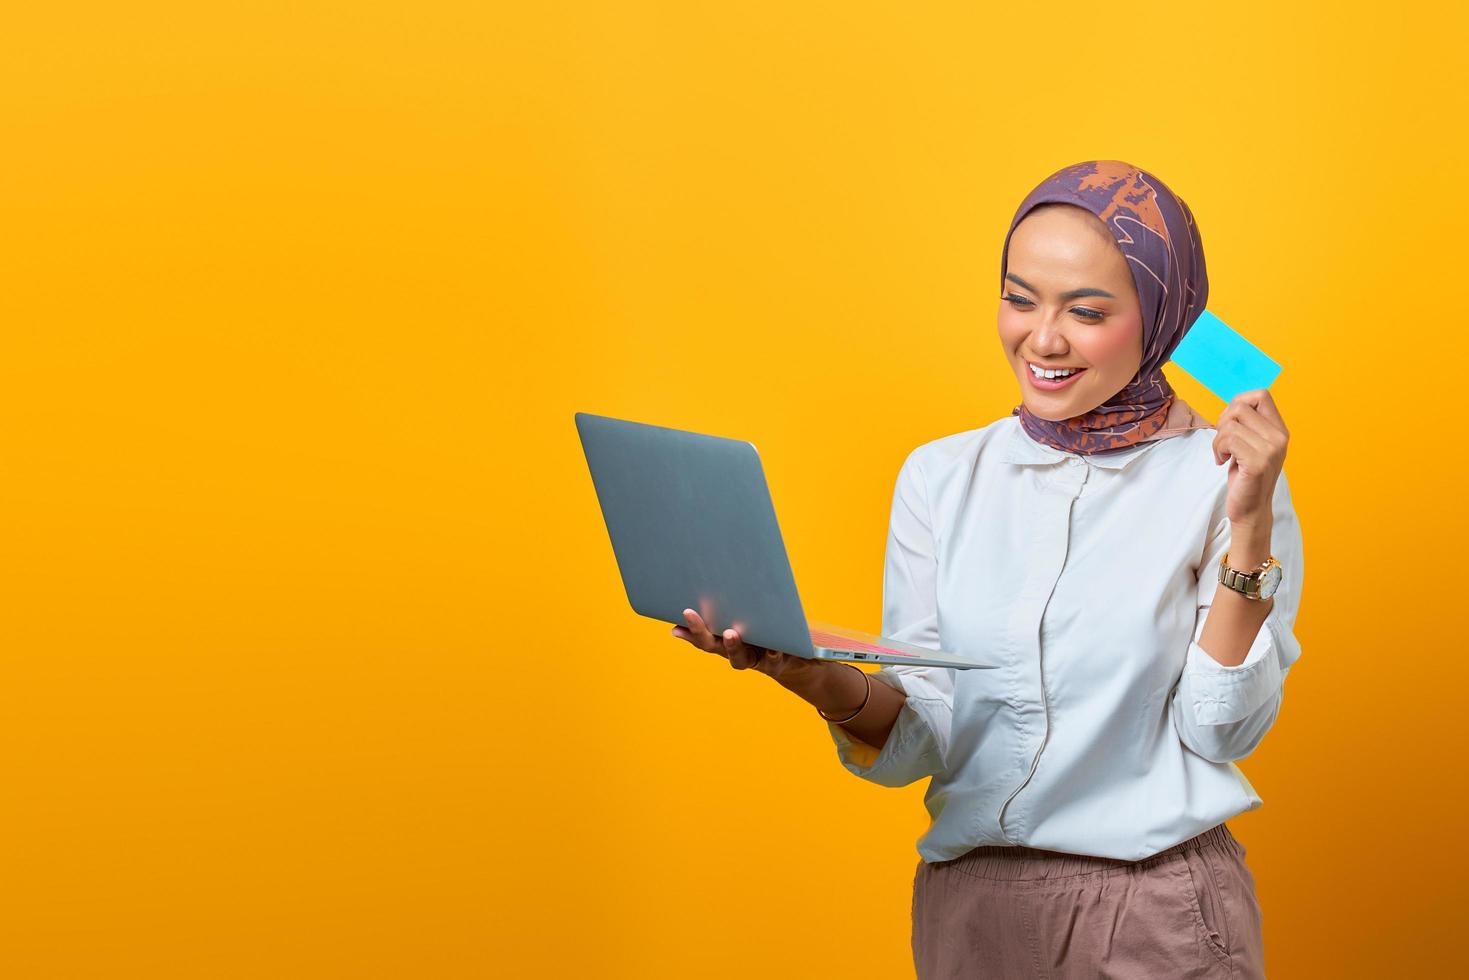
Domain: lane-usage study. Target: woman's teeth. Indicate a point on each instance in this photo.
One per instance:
(1042, 373)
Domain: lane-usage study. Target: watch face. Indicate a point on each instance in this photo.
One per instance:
(1270, 581)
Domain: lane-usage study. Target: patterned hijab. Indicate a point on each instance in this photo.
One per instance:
(1157, 234)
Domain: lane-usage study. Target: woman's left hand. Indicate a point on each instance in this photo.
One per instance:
(1253, 437)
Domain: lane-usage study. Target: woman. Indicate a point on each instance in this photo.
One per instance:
(1089, 544)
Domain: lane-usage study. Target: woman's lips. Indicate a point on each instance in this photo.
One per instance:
(1047, 384)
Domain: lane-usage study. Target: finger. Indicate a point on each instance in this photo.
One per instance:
(1251, 451)
(1222, 428)
(1222, 448)
(1258, 401)
(749, 654)
(703, 638)
(1227, 442)
(1252, 419)
(697, 627)
(738, 656)
(693, 641)
(752, 655)
(1250, 399)
(1266, 406)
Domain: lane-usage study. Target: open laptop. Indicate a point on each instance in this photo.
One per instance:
(693, 527)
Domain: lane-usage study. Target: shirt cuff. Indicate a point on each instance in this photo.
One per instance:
(1220, 694)
(904, 743)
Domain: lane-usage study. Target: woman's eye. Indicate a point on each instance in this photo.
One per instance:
(1021, 303)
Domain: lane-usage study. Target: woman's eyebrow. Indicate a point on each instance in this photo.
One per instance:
(1070, 294)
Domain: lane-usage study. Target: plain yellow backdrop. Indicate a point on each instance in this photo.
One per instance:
(314, 661)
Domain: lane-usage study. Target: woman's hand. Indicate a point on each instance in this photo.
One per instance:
(741, 655)
(1253, 437)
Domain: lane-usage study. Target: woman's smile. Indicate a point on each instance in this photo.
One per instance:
(1050, 384)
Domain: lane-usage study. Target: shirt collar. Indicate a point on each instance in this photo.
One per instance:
(1024, 450)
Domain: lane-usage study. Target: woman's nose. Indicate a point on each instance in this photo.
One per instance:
(1048, 343)
(1048, 339)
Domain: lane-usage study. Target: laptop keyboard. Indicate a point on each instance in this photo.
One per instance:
(824, 639)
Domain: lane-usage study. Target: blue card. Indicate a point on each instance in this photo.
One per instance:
(1221, 360)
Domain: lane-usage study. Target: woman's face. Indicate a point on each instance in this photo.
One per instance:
(1069, 302)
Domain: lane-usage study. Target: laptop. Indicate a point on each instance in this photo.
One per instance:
(693, 527)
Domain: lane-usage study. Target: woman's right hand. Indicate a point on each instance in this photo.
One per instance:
(741, 655)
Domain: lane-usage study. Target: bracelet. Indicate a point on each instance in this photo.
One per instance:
(866, 677)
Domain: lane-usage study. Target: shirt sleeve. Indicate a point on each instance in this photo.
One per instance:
(918, 742)
(1222, 712)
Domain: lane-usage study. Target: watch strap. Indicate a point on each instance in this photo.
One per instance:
(1245, 583)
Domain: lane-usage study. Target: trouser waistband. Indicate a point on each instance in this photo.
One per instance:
(1021, 863)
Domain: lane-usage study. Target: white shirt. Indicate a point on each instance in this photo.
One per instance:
(1107, 730)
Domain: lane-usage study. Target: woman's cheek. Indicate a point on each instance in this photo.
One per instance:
(1010, 333)
(1114, 347)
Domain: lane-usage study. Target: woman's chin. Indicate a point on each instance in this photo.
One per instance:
(1050, 415)
(1054, 410)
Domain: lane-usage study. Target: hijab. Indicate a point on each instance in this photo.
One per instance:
(1155, 230)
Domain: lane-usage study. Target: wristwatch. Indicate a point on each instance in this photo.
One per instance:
(1259, 584)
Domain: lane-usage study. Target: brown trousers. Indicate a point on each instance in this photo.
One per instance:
(1019, 912)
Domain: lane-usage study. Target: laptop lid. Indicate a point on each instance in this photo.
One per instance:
(693, 527)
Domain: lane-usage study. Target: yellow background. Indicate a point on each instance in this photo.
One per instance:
(315, 658)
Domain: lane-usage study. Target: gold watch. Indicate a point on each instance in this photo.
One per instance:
(1259, 584)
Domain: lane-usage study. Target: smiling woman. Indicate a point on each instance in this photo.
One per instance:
(1061, 254)
(1079, 793)
(1079, 798)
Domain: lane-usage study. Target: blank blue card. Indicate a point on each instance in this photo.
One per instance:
(1221, 360)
